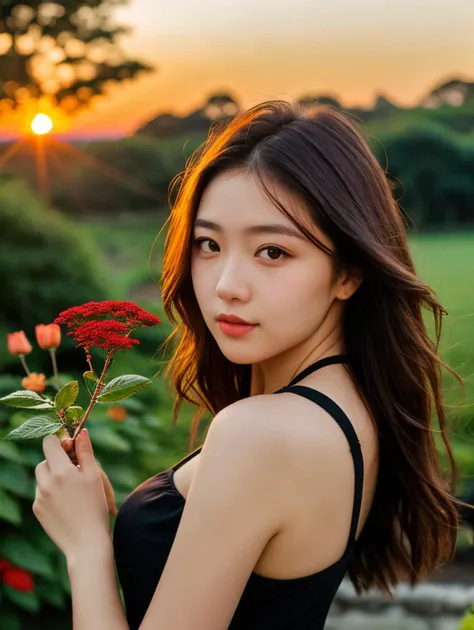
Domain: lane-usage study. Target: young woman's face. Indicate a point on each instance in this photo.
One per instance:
(245, 264)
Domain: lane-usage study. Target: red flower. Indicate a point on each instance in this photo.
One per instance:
(48, 335)
(132, 314)
(17, 578)
(107, 334)
(110, 334)
(5, 564)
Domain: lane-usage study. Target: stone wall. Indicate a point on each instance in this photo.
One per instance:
(430, 606)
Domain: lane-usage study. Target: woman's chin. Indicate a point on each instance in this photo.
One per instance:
(239, 356)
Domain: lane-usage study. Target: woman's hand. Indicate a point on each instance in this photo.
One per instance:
(70, 501)
(66, 443)
(109, 491)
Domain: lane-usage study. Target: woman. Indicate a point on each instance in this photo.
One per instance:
(299, 317)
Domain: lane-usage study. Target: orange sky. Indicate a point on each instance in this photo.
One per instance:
(261, 49)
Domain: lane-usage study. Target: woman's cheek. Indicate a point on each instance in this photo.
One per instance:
(199, 283)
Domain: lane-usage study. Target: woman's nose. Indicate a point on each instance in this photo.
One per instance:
(233, 283)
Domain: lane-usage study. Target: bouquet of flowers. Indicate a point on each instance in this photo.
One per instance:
(106, 325)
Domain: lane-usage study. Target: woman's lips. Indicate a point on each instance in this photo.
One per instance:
(235, 330)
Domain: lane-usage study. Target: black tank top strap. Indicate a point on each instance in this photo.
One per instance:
(333, 409)
(331, 360)
(185, 459)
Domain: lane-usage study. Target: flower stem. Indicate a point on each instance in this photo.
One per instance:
(23, 362)
(98, 389)
(55, 366)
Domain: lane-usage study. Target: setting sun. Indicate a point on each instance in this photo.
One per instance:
(41, 124)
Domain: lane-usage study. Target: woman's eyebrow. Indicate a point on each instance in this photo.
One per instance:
(269, 228)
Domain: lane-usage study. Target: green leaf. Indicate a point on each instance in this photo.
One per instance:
(132, 429)
(14, 477)
(62, 574)
(90, 376)
(26, 399)
(51, 593)
(42, 542)
(37, 427)
(9, 509)
(24, 554)
(67, 395)
(27, 601)
(123, 387)
(31, 457)
(10, 621)
(10, 451)
(122, 475)
(105, 438)
(133, 405)
(8, 382)
(74, 413)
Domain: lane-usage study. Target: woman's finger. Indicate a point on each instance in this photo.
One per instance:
(109, 493)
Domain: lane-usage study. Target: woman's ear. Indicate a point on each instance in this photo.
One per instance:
(349, 281)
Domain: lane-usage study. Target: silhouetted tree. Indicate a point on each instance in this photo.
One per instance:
(221, 106)
(384, 105)
(67, 49)
(310, 100)
(454, 93)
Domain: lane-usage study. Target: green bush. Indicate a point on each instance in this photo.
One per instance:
(433, 169)
(130, 451)
(47, 264)
(127, 174)
(468, 621)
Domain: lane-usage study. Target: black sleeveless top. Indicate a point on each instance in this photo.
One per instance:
(147, 522)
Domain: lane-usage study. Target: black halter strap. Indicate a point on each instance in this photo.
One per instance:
(335, 358)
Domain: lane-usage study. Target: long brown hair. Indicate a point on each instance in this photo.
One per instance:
(320, 157)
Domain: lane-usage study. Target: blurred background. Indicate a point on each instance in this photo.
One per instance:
(101, 104)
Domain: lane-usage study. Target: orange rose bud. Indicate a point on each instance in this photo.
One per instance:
(18, 343)
(117, 413)
(48, 336)
(34, 382)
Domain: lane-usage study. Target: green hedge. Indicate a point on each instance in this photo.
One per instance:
(47, 264)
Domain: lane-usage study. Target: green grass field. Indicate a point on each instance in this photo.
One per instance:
(446, 263)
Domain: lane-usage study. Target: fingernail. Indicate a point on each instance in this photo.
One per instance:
(84, 434)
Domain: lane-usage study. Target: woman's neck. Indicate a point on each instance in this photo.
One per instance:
(277, 372)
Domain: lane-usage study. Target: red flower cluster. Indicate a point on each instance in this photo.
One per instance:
(132, 314)
(110, 334)
(16, 578)
(107, 334)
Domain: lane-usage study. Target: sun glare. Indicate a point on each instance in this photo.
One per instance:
(41, 124)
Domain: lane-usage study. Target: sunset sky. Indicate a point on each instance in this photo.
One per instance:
(261, 49)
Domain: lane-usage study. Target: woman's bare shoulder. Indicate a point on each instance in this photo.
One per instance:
(282, 419)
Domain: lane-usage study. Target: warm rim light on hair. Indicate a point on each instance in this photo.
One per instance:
(41, 124)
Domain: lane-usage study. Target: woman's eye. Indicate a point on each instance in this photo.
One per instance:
(274, 252)
(213, 246)
(209, 246)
